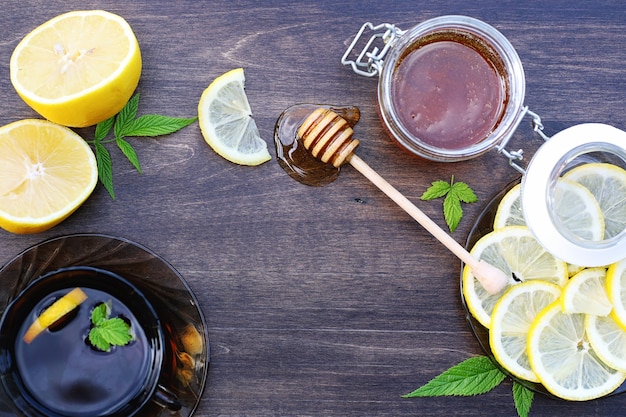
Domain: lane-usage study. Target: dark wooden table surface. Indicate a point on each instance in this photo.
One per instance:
(321, 301)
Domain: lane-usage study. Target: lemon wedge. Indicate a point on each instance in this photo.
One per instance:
(56, 311)
(79, 68)
(564, 360)
(226, 121)
(46, 172)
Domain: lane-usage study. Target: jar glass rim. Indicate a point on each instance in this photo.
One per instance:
(513, 77)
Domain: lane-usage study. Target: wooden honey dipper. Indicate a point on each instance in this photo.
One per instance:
(328, 137)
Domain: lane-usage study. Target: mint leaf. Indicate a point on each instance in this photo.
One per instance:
(103, 128)
(99, 313)
(126, 116)
(128, 151)
(105, 167)
(455, 193)
(436, 190)
(452, 211)
(476, 375)
(125, 124)
(156, 125)
(523, 398)
(463, 192)
(107, 332)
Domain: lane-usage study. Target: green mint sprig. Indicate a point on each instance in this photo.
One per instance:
(455, 193)
(474, 376)
(107, 332)
(126, 124)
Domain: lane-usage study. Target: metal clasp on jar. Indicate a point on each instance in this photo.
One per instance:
(369, 61)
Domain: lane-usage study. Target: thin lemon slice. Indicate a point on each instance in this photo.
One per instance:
(509, 211)
(226, 121)
(78, 68)
(576, 207)
(616, 290)
(46, 172)
(515, 251)
(607, 183)
(608, 340)
(563, 359)
(56, 311)
(511, 319)
(586, 293)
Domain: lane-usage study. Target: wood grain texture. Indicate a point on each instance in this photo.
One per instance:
(323, 301)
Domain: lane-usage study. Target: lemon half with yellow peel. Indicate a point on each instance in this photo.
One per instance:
(226, 121)
(79, 68)
(46, 172)
(586, 293)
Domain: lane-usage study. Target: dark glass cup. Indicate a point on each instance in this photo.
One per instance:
(59, 372)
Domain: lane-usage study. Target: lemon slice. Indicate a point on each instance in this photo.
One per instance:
(512, 317)
(46, 172)
(586, 293)
(515, 251)
(607, 183)
(608, 340)
(563, 359)
(52, 314)
(509, 211)
(576, 208)
(616, 290)
(78, 68)
(226, 121)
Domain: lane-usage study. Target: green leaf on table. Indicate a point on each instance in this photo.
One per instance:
(105, 167)
(128, 151)
(523, 398)
(474, 376)
(455, 193)
(127, 124)
(151, 125)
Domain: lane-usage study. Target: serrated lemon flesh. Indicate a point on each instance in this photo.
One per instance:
(563, 359)
(511, 320)
(54, 313)
(586, 293)
(79, 68)
(226, 121)
(46, 172)
(607, 182)
(516, 252)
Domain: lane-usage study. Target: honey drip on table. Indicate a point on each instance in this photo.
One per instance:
(291, 154)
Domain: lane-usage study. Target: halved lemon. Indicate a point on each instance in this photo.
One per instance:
(512, 317)
(607, 182)
(563, 359)
(78, 68)
(46, 172)
(586, 293)
(226, 121)
(56, 311)
(515, 251)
